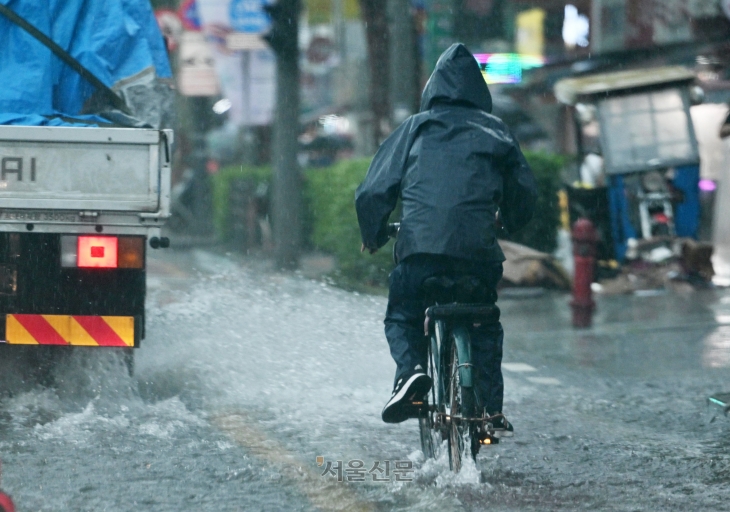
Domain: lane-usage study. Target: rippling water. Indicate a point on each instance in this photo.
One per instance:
(247, 376)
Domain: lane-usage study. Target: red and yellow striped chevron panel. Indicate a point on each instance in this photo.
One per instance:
(90, 331)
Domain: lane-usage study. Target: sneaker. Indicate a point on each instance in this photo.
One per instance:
(500, 425)
(411, 386)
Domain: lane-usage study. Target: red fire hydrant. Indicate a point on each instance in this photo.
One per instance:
(584, 238)
(6, 504)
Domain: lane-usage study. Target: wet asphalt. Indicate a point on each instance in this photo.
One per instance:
(248, 375)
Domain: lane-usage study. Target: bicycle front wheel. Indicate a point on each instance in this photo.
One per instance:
(425, 426)
(461, 403)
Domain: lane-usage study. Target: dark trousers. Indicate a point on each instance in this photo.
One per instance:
(406, 311)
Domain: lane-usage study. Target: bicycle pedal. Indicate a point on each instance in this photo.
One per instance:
(416, 407)
(488, 439)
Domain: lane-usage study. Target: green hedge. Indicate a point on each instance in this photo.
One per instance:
(332, 222)
(222, 181)
(330, 194)
(541, 232)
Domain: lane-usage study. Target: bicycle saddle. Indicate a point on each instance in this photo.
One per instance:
(466, 289)
(464, 299)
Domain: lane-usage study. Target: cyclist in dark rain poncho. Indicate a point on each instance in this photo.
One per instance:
(453, 165)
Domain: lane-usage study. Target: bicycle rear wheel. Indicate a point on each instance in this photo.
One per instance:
(461, 403)
(430, 439)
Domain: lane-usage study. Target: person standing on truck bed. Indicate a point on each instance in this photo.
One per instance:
(453, 165)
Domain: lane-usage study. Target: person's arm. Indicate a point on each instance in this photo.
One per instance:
(519, 189)
(377, 196)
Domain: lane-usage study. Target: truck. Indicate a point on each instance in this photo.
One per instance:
(83, 195)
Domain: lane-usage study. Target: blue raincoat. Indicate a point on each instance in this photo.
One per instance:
(116, 40)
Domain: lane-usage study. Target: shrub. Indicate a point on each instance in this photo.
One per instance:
(331, 222)
(330, 194)
(541, 232)
(222, 184)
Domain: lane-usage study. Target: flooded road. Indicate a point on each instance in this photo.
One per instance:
(251, 384)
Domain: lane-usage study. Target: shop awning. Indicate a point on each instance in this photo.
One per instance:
(569, 90)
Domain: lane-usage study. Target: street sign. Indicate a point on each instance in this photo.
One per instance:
(189, 16)
(321, 50)
(248, 16)
(196, 75)
(244, 65)
(170, 26)
(244, 41)
(531, 32)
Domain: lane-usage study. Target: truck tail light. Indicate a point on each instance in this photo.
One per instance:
(97, 252)
(131, 252)
(102, 251)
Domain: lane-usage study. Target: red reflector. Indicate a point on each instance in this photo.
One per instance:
(97, 251)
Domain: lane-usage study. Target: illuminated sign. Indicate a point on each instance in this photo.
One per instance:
(576, 28)
(506, 68)
(530, 32)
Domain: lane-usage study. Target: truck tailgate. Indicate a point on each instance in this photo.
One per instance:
(68, 168)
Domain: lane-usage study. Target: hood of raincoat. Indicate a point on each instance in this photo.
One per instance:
(457, 79)
(452, 165)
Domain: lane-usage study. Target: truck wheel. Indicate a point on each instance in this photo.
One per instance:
(128, 359)
(44, 360)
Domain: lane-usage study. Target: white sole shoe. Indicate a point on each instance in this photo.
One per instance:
(415, 387)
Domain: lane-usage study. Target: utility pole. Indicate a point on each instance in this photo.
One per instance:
(640, 23)
(283, 37)
(374, 14)
(201, 192)
(596, 31)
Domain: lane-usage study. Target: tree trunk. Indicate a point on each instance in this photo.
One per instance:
(374, 14)
(404, 79)
(287, 180)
